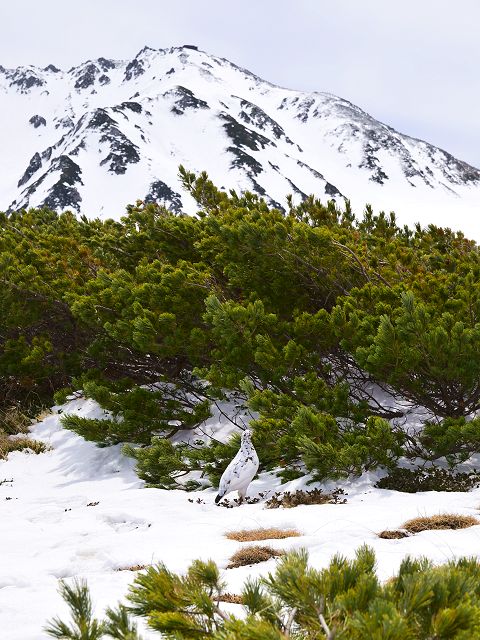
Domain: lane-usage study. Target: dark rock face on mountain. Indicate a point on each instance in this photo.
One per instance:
(242, 136)
(33, 166)
(256, 117)
(162, 194)
(122, 151)
(133, 106)
(52, 68)
(109, 132)
(37, 121)
(87, 77)
(64, 193)
(24, 79)
(184, 99)
(90, 72)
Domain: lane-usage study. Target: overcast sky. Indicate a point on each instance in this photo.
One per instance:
(412, 64)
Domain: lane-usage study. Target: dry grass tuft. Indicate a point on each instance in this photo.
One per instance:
(396, 534)
(441, 521)
(14, 426)
(231, 598)
(134, 567)
(13, 421)
(251, 535)
(7, 445)
(252, 555)
(41, 415)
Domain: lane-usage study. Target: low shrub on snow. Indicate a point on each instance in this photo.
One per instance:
(394, 534)
(13, 421)
(105, 432)
(231, 598)
(134, 567)
(455, 438)
(429, 479)
(300, 312)
(441, 521)
(315, 496)
(428, 523)
(272, 533)
(162, 465)
(23, 443)
(253, 555)
(345, 600)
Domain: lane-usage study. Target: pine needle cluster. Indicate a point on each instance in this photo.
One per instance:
(343, 601)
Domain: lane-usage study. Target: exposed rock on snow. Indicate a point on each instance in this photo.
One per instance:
(37, 121)
(161, 193)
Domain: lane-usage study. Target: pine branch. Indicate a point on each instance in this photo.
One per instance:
(84, 626)
(119, 626)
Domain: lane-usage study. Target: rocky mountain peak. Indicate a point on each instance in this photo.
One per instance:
(108, 132)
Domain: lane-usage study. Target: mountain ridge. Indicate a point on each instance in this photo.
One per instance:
(109, 132)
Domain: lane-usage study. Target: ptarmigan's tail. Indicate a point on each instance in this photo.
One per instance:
(218, 498)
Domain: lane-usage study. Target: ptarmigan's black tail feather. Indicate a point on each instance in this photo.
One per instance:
(218, 498)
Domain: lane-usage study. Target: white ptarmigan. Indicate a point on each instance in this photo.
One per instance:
(241, 470)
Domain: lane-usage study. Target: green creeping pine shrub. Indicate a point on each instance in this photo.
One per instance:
(270, 350)
(138, 413)
(297, 308)
(455, 438)
(104, 432)
(351, 451)
(429, 479)
(344, 601)
(311, 441)
(427, 354)
(296, 434)
(290, 384)
(83, 625)
(40, 340)
(163, 465)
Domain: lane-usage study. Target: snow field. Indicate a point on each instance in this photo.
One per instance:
(51, 527)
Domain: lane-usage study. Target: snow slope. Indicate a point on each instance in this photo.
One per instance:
(52, 527)
(107, 132)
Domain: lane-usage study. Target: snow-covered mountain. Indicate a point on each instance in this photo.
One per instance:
(107, 133)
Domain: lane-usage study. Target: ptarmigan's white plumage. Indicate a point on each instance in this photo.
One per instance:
(241, 470)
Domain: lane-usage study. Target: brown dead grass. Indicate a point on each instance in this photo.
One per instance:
(441, 521)
(253, 555)
(134, 567)
(231, 598)
(7, 445)
(41, 415)
(396, 534)
(252, 535)
(13, 421)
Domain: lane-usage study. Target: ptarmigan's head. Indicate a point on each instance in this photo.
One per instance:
(246, 436)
